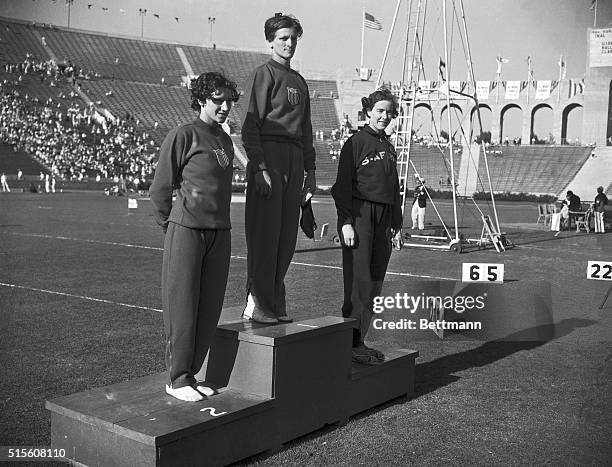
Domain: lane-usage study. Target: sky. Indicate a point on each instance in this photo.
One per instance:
(513, 29)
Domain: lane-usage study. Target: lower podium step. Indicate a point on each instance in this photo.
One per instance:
(372, 385)
(276, 383)
(137, 424)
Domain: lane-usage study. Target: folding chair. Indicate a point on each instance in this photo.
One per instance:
(542, 213)
(550, 210)
(583, 219)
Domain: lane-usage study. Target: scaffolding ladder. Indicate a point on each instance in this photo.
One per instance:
(407, 90)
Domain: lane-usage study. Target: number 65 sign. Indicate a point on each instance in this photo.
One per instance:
(482, 272)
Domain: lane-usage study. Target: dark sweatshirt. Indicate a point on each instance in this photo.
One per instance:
(196, 159)
(600, 202)
(277, 109)
(367, 170)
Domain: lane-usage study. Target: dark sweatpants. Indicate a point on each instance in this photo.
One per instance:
(364, 266)
(271, 226)
(194, 277)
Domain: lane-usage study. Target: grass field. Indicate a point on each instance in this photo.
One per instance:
(80, 308)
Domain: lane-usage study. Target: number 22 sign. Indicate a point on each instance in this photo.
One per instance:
(599, 270)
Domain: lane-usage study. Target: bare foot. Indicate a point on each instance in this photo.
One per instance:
(186, 393)
(205, 390)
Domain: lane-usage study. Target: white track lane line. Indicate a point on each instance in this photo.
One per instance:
(83, 297)
(129, 245)
(297, 263)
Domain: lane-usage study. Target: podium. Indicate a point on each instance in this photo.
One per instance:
(274, 384)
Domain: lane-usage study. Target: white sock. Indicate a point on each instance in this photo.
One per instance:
(250, 306)
(205, 390)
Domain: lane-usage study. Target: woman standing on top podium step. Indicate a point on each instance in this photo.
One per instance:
(368, 203)
(277, 137)
(196, 159)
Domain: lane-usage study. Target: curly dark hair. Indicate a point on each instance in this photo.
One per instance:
(205, 85)
(367, 103)
(280, 21)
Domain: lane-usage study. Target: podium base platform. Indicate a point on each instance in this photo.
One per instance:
(276, 383)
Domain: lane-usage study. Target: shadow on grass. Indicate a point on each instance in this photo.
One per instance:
(438, 373)
(548, 238)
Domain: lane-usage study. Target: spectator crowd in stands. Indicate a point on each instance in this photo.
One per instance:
(77, 142)
(50, 71)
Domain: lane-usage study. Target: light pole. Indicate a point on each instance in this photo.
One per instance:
(143, 13)
(211, 21)
(69, 3)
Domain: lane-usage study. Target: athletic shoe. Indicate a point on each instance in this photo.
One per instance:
(251, 312)
(260, 317)
(377, 353)
(360, 355)
(284, 319)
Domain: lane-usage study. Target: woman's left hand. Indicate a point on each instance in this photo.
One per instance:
(398, 241)
(310, 184)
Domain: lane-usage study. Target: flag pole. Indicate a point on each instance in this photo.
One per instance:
(595, 16)
(560, 78)
(499, 65)
(450, 130)
(528, 77)
(362, 33)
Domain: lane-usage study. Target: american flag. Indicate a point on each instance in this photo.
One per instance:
(370, 22)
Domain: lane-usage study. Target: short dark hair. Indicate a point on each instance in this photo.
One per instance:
(599, 189)
(384, 94)
(205, 85)
(569, 193)
(280, 21)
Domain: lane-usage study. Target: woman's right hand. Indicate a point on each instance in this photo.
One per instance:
(263, 183)
(348, 234)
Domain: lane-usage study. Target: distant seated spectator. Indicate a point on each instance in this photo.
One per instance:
(573, 201)
(570, 204)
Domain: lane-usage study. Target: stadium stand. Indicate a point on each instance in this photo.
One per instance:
(150, 103)
(322, 89)
(13, 160)
(535, 169)
(237, 64)
(324, 115)
(118, 58)
(16, 40)
(32, 86)
(432, 164)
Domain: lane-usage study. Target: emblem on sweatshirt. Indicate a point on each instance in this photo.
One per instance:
(293, 96)
(222, 158)
(379, 156)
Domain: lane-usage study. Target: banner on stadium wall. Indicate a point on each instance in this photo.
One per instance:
(543, 89)
(424, 89)
(513, 89)
(482, 90)
(455, 86)
(600, 47)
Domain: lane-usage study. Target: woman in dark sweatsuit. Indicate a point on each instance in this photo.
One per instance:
(368, 203)
(196, 160)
